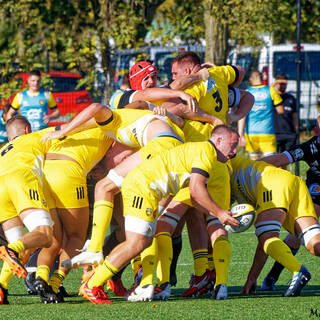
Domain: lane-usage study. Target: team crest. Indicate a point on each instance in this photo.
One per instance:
(314, 189)
(298, 153)
(41, 102)
(149, 212)
(44, 202)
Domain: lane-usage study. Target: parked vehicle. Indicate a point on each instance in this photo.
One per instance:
(274, 59)
(70, 98)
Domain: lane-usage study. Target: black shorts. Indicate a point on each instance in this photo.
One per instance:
(285, 141)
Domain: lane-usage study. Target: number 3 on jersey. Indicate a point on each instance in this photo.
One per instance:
(218, 100)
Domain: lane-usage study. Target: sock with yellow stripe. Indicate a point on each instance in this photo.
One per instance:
(221, 257)
(5, 275)
(102, 214)
(200, 261)
(148, 261)
(164, 257)
(279, 251)
(43, 272)
(136, 264)
(102, 273)
(17, 246)
(56, 279)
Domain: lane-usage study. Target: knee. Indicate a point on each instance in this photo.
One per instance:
(136, 247)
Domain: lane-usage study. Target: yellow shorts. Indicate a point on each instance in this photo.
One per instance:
(19, 191)
(281, 189)
(265, 143)
(158, 145)
(195, 131)
(65, 184)
(138, 203)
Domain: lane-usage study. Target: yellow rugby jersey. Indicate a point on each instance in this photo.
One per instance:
(195, 131)
(127, 126)
(212, 95)
(25, 151)
(169, 172)
(245, 177)
(86, 147)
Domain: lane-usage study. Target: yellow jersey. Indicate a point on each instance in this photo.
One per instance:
(212, 95)
(86, 147)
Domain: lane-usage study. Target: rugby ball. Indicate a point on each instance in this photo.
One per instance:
(245, 214)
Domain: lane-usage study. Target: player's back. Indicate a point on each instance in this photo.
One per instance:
(86, 147)
(24, 152)
(170, 171)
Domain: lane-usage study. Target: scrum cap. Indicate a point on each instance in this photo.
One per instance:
(138, 72)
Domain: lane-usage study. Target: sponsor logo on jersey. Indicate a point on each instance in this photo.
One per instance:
(314, 189)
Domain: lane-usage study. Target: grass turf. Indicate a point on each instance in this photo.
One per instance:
(261, 305)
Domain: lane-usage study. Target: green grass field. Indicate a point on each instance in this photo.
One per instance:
(259, 306)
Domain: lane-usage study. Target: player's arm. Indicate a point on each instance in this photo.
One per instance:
(15, 105)
(55, 112)
(154, 94)
(277, 100)
(258, 263)
(180, 109)
(185, 81)
(240, 72)
(82, 121)
(202, 200)
(245, 105)
(278, 160)
(164, 112)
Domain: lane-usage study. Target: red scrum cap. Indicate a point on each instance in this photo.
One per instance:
(138, 72)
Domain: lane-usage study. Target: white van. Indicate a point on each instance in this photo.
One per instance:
(274, 59)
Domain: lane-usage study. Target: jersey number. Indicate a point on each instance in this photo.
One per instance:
(217, 99)
(7, 149)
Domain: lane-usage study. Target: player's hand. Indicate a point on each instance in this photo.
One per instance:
(161, 111)
(225, 217)
(249, 287)
(232, 117)
(51, 135)
(203, 74)
(190, 100)
(45, 118)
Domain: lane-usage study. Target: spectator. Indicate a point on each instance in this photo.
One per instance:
(3, 120)
(115, 97)
(258, 125)
(34, 103)
(285, 125)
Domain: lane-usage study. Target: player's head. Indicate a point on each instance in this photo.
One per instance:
(143, 75)
(226, 140)
(184, 64)
(281, 82)
(255, 77)
(17, 126)
(34, 80)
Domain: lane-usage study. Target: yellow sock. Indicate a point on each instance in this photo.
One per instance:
(280, 252)
(56, 279)
(148, 261)
(164, 257)
(102, 273)
(210, 261)
(5, 275)
(102, 214)
(136, 264)
(43, 272)
(17, 246)
(200, 261)
(221, 257)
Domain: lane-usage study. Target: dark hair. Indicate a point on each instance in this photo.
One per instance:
(18, 118)
(35, 73)
(281, 76)
(187, 56)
